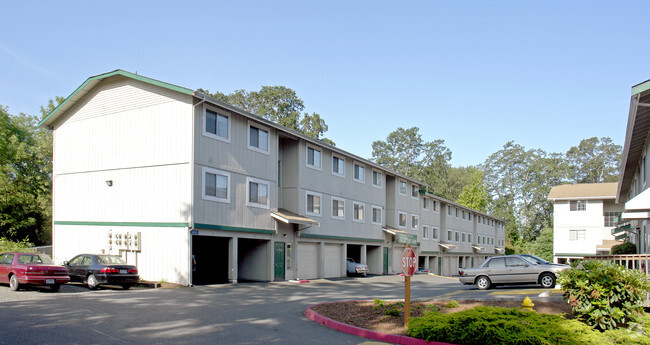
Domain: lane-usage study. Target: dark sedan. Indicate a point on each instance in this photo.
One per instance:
(26, 269)
(99, 269)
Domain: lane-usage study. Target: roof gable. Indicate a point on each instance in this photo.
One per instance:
(584, 191)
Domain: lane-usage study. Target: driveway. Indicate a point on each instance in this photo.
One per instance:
(251, 313)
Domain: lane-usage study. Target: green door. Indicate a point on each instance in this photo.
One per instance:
(440, 265)
(278, 261)
(386, 260)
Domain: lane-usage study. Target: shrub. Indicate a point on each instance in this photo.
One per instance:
(624, 248)
(496, 325)
(392, 311)
(603, 295)
(452, 304)
(10, 246)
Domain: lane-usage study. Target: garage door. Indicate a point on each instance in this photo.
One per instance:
(307, 260)
(333, 264)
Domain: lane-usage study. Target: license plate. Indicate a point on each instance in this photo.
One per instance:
(49, 281)
(122, 271)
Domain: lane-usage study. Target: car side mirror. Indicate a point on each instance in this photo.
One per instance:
(65, 263)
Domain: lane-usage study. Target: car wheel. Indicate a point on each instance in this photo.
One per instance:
(547, 280)
(483, 283)
(91, 281)
(126, 286)
(13, 283)
(55, 287)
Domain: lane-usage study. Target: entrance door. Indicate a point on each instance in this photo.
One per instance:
(278, 261)
(386, 249)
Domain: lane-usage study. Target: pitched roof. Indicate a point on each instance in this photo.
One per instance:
(584, 191)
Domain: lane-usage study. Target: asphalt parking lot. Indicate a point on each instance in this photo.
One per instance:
(245, 313)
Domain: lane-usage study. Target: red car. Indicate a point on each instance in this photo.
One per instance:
(23, 269)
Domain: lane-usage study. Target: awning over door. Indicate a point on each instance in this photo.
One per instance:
(478, 248)
(289, 217)
(402, 236)
(446, 245)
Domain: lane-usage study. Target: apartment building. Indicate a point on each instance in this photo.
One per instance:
(633, 184)
(196, 191)
(585, 217)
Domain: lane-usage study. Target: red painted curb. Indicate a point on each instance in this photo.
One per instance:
(362, 332)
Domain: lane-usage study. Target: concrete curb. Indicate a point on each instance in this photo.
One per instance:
(362, 332)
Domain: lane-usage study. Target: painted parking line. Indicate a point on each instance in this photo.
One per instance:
(435, 275)
(525, 292)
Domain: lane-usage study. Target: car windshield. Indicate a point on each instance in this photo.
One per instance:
(110, 259)
(34, 259)
(534, 260)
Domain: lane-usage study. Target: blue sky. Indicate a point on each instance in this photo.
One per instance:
(476, 74)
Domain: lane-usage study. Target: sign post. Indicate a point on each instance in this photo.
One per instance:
(409, 265)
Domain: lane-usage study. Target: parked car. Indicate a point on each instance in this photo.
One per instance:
(511, 269)
(99, 269)
(27, 269)
(356, 268)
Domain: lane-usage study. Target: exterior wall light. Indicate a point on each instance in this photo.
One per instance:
(109, 183)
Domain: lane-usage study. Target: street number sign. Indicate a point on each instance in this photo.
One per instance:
(409, 262)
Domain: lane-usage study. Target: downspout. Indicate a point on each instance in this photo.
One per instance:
(191, 222)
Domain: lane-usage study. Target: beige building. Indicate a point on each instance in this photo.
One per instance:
(195, 191)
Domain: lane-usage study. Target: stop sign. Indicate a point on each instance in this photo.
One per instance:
(409, 262)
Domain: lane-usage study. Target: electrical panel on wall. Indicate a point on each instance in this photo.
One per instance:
(124, 241)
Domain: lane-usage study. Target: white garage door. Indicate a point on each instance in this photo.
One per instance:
(397, 260)
(333, 265)
(307, 260)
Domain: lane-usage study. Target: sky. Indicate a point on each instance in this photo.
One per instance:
(476, 74)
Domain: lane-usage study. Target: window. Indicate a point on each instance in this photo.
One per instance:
(577, 235)
(338, 208)
(376, 215)
(258, 193)
(434, 233)
(359, 212)
(313, 158)
(376, 178)
(414, 222)
(435, 205)
(464, 237)
(463, 214)
(313, 204)
(401, 219)
(469, 216)
(611, 218)
(425, 203)
(578, 205)
(338, 166)
(449, 235)
(497, 263)
(469, 238)
(449, 210)
(425, 231)
(457, 236)
(216, 126)
(258, 139)
(402, 187)
(216, 185)
(414, 191)
(359, 173)
(492, 241)
(478, 239)
(457, 213)
(478, 219)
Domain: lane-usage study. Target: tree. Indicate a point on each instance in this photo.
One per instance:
(543, 244)
(25, 177)
(474, 195)
(594, 161)
(279, 104)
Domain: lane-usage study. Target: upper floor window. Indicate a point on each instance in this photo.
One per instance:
(469, 238)
(359, 212)
(449, 210)
(313, 158)
(402, 187)
(463, 237)
(414, 222)
(425, 231)
(434, 233)
(612, 218)
(435, 205)
(463, 214)
(359, 173)
(376, 215)
(577, 235)
(313, 204)
(449, 235)
(338, 208)
(376, 178)
(216, 185)
(401, 219)
(469, 215)
(457, 213)
(425, 203)
(578, 205)
(414, 191)
(216, 125)
(258, 192)
(338, 166)
(258, 139)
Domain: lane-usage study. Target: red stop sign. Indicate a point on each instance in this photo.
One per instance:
(409, 262)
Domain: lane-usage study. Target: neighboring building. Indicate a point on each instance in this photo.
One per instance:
(584, 216)
(633, 184)
(194, 191)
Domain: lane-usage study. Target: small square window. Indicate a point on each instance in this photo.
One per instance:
(414, 222)
(338, 208)
(469, 238)
(434, 233)
(258, 193)
(338, 166)
(313, 158)
(463, 238)
(258, 139)
(449, 235)
(376, 178)
(216, 125)
(425, 231)
(359, 212)
(313, 204)
(457, 236)
(359, 173)
(376, 215)
(216, 185)
(402, 219)
(578, 205)
(402, 187)
(425, 203)
(435, 206)
(414, 191)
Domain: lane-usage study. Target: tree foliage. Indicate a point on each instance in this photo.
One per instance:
(279, 104)
(474, 195)
(594, 161)
(25, 177)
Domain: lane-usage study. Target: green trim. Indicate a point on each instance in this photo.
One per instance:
(135, 224)
(232, 228)
(429, 252)
(461, 253)
(111, 74)
(328, 237)
(645, 86)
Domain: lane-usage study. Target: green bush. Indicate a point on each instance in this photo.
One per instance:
(10, 246)
(452, 304)
(624, 248)
(496, 325)
(603, 295)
